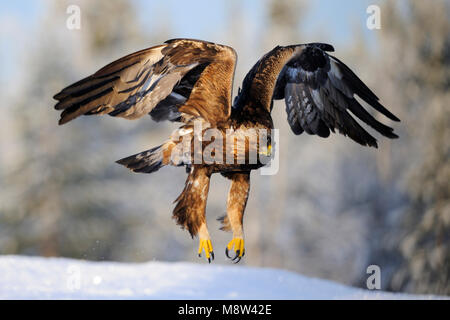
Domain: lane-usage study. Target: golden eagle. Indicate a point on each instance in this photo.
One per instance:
(190, 81)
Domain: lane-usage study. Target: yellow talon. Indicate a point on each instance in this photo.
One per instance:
(238, 245)
(205, 244)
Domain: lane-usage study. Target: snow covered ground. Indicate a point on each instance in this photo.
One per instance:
(56, 278)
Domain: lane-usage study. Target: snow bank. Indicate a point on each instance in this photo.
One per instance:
(57, 278)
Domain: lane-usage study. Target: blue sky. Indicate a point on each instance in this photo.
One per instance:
(331, 17)
(336, 17)
(334, 20)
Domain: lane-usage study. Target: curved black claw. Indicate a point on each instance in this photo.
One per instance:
(238, 245)
(236, 256)
(211, 258)
(226, 253)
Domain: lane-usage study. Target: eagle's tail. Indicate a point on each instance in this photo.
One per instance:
(149, 161)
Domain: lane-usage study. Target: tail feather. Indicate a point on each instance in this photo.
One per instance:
(145, 162)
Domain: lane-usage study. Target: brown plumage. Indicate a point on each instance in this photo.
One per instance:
(190, 81)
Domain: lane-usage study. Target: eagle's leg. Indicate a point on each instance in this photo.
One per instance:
(237, 200)
(190, 209)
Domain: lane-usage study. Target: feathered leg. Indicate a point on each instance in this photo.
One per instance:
(236, 203)
(190, 209)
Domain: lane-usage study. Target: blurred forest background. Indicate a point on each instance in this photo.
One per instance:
(334, 207)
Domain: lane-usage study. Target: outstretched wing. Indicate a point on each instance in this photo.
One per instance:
(177, 81)
(319, 91)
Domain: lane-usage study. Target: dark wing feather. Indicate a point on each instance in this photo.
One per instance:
(165, 81)
(319, 90)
